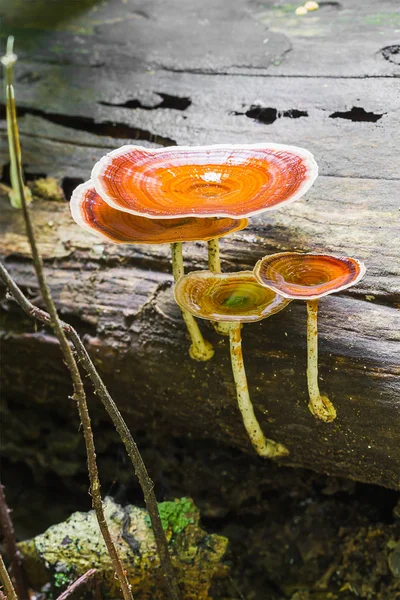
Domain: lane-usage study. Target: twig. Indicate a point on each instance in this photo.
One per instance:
(79, 393)
(6, 581)
(133, 452)
(120, 425)
(14, 555)
(75, 584)
(236, 587)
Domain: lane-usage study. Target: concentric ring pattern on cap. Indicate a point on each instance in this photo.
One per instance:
(222, 180)
(93, 214)
(308, 276)
(230, 297)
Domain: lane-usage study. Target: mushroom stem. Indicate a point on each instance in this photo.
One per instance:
(200, 348)
(214, 265)
(214, 260)
(263, 446)
(320, 406)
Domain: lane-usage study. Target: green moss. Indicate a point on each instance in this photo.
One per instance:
(175, 515)
(60, 580)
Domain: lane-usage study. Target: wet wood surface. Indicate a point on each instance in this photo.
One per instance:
(154, 74)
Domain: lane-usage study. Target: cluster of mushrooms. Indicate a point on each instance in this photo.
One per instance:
(138, 195)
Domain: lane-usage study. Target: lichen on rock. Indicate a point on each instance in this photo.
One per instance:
(66, 550)
(47, 188)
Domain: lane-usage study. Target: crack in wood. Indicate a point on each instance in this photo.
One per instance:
(337, 5)
(88, 124)
(206, 72)
(357, 114)
(361, 177)
(68, 184)
(268, 115)
(391, 54)
(57, 140)
(167, 101)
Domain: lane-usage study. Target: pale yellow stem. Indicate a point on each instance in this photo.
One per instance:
(214, 265)
(320, 406)
(200, 348)
(214, 259)
(263, 446)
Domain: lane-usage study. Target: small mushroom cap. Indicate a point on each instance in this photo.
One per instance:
(308, 276)
(231, 297)
(219, 181)
(91, 212)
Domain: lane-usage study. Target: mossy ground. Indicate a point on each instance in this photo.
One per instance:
(293, 534)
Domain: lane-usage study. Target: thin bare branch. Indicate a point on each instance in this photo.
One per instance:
(77, 583)
(119, 423)
(6, 581)
(10, 542)
(79, 393)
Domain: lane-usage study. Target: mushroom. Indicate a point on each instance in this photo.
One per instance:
(199, 181)
(91, 212)
(234, 298)
(203, 181)
(310, 277)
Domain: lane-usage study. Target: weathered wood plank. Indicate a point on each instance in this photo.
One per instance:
(337, 215)
(247, 37)
(122, 297)
(73, 129)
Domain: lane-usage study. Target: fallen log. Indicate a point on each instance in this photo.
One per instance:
(120, 298)
(81, 92)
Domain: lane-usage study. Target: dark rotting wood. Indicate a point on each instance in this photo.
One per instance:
(75, 81)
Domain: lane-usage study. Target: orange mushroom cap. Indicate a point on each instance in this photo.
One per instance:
(220, 181)
(91, 212)
(308, 276)
(233, 297)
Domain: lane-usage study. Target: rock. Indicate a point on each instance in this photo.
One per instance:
(67, 550)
